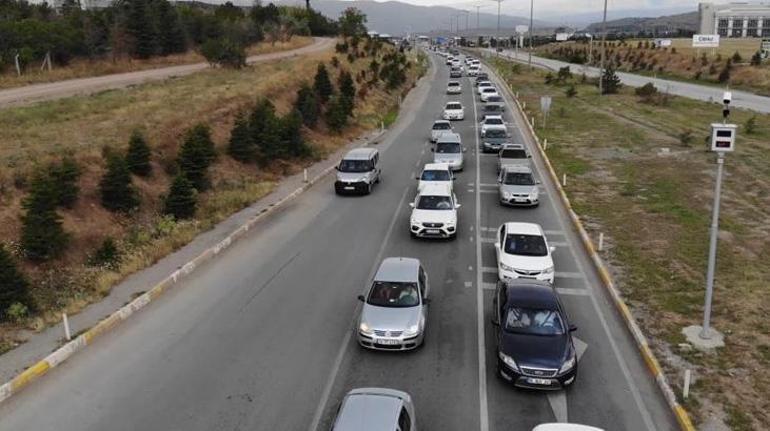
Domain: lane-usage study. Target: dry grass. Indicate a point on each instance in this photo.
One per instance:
(84, 126)
(682, 62)
(610, 147)
(87, 68)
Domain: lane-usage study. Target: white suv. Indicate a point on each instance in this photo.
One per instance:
(491, 121)
(435, 174)
(454, 87)
(435, 213)
(523, 252)
(486, 92)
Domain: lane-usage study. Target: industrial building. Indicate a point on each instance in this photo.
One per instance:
(735, 19)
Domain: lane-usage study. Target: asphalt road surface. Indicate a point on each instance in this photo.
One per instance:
(706, 93)
(83, 86)
(262, 337)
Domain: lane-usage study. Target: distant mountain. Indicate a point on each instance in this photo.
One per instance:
(671, 24)
(397, 18)
(583, 19)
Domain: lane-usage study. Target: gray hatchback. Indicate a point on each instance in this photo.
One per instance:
(396, 306)
(376, 409)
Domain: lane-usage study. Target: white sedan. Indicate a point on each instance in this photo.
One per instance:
(491, 120)
(487, 92)
(523, 252)
(454, 111)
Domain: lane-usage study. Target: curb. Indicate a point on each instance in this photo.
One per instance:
(682, 417)
(63, 353)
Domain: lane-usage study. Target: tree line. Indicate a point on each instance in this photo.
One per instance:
(141, 28)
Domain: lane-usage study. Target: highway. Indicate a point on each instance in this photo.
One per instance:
(706, 93)
(82, 86)
(262, 337)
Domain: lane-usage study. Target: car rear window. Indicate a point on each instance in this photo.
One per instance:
(488, 90)
(448, 148)
(492, 108)
(441, 126)
(496, 133)
(454, 106)
(525, 245)
(454, 84)
(513, 154)
(435, 175)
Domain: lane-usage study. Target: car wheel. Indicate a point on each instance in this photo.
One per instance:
(413, 235)
(369, 188)
(379, 177)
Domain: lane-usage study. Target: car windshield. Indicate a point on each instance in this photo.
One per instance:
(513, 154)
(489, 90)
(525, 245)
(355, 166)
(441, 126)
(519, 179)
(448, 148)
(454, 84)
(438, 175)
(483, 76)
(393, 294)
(493, 120)
(496, 133)
(434, 203)
(454, 106)
(534, 321)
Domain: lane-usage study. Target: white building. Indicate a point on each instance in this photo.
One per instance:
(735, 19)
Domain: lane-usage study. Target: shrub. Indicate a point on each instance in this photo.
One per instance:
(265, 131)
(548, 78)
(138, 155)
(181, 200)
(196, 155)
(322, 84)
(241, 146)
(756, 59)
(571, 91)
(336, 117)
(224, 52)
(42, 236)
(292, 142)
(564, 74)
(347, 91)
(117, 193)
(647, 90)
(610, 81)
(685, 138)
(737, 57)
(724, 75)
(106, 256)
(17, 312)
(64, 178)
(14, 292)
(750, 126)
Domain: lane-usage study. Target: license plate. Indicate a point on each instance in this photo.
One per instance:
(522, 200)
(349, 188)
(534, 381)
(432, 231)
(387, 342)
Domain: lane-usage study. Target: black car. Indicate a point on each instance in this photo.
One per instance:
(534, 337)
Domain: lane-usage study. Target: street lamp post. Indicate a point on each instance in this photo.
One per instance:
(497, 32)
(531, 24)
(604, 37)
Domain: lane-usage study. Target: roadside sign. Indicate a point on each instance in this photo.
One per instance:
(765, 48)
(723, 137)
(545, 103)
(662, 43)
(522, 28)
(705, 41)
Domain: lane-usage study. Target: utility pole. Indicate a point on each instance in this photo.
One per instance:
(604, 38)
(477, 17)
(531, 24)
(497, 33)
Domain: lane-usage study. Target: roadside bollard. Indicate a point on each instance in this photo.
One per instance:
(67, 333)
(304, 175)
(545, 144)
(601, 241)
(564, 180)
(686, 389)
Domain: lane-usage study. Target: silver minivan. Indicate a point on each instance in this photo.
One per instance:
(375, 409)
(358, 171)
(449, 149)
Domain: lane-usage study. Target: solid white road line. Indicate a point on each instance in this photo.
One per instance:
(349, 334)
(483, 408)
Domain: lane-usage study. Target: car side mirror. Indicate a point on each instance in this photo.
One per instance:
(416, 178)
(572, 327)
(538, 182)
(497, 245)
(432, 150)
(529, 156)
(552, 249)
(454, 178)
(458, 205)
(411, 204)
(361, 298)
(336, 168)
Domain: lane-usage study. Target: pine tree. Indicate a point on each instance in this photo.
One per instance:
(107, 255)
(322, 84)
(42, 236)
(118, 195)
(724, 75)
(139, 27)
(336, 117)
(64, 177)
(292, 142)
(171, 37)
(181, 200)
(610, 81)
(347, 92)
(138, 155)
(307, 105)
(241, 146)
(197, 155)
(756, 59)
(13, 284)
(265, 131)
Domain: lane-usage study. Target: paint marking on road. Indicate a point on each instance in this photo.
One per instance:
(573, 292)
(553, 232)
(349, 334)
(468, 284)
(487, 240)
(488, 286)
(471, 190)
(495, 185)
(491, 192)
(471, 184)
(558, 402)
(558, 243)
(482, 358)
(489, 270)
(573, 275)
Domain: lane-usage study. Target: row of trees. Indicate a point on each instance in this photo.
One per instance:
(141, 28)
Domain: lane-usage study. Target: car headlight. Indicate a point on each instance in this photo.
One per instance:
(507, 360)
(412, 330)
(533, 195)
(568, 365)
(364, 328)
(505, 267)
(414, 222)
(548, 270)
(507, 195)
